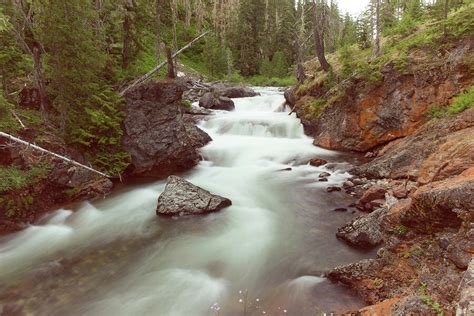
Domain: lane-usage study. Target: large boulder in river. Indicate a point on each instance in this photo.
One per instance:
(233, 91)
(157, 137)
(181, 197)
(213, 101)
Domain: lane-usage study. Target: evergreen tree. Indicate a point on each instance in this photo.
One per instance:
(88, 107)
(251, 25)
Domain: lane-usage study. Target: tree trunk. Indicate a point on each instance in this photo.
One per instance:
(173, 20)
(300, 75)
(127, 36)
(38, 148)
(38, 69)
(169, 59)
(35, 51)
(158, 8)
(377, 28)
(445, 16)
(319, 36)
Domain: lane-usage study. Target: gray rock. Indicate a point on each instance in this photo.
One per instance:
(412, 305)
(465, 305)
(157, 137)
(214, 101)
(364, 232)
(181, 197)
(234, 91)
(349, 274)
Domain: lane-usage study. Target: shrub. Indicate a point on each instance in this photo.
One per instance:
(14, 178)
(462, 102)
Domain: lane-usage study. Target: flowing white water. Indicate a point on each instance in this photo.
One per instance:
(116, 257)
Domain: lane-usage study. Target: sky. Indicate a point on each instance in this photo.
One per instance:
(354, 7)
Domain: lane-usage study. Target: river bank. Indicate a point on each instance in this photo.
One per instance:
(413, 119)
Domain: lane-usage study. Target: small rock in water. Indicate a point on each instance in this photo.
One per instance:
(348, 184)
(316, 162)
(324, 174)
(340, 209)
(286, 169)
(333, 189)
(323, 180)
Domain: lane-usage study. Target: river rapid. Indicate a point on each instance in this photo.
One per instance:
(263, 255)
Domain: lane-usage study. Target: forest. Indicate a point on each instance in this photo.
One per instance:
(343, 142)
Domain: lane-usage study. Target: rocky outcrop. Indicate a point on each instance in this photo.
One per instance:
(213, 101)
(361, 115)
(427, 239)
(157, 137)
(438, 205)
(181, 198)
(436, 151)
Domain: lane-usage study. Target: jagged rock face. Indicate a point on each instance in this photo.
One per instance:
(437, 205)
(181, 198)
(369, 115)
(157, 137)
(438, 150)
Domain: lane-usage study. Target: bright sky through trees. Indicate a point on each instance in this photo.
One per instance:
(354, 7)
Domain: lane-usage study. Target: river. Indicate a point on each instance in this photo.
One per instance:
(263, 255)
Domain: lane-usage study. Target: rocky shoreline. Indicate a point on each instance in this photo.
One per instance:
(417, 189)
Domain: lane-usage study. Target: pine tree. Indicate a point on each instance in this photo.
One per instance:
(88, 107)
(251, 25)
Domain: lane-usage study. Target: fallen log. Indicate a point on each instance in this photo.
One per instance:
(38, 148)
(157, 68)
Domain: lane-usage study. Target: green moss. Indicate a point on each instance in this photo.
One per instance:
(462, 102)
(401, 229)
(186, 104)
(14, 178)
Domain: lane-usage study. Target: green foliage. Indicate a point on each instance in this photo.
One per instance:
(89, 108)
(428, 300)
(7, 122)
(251, 23)
(401, 229)
(462, 102)
(186, 104)
(215, 57)
(346, 58)
(14, 63)
(14, 178)
(436, 112)
(406, 26)
(276, 68)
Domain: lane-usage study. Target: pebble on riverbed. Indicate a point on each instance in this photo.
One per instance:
(333, 189)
